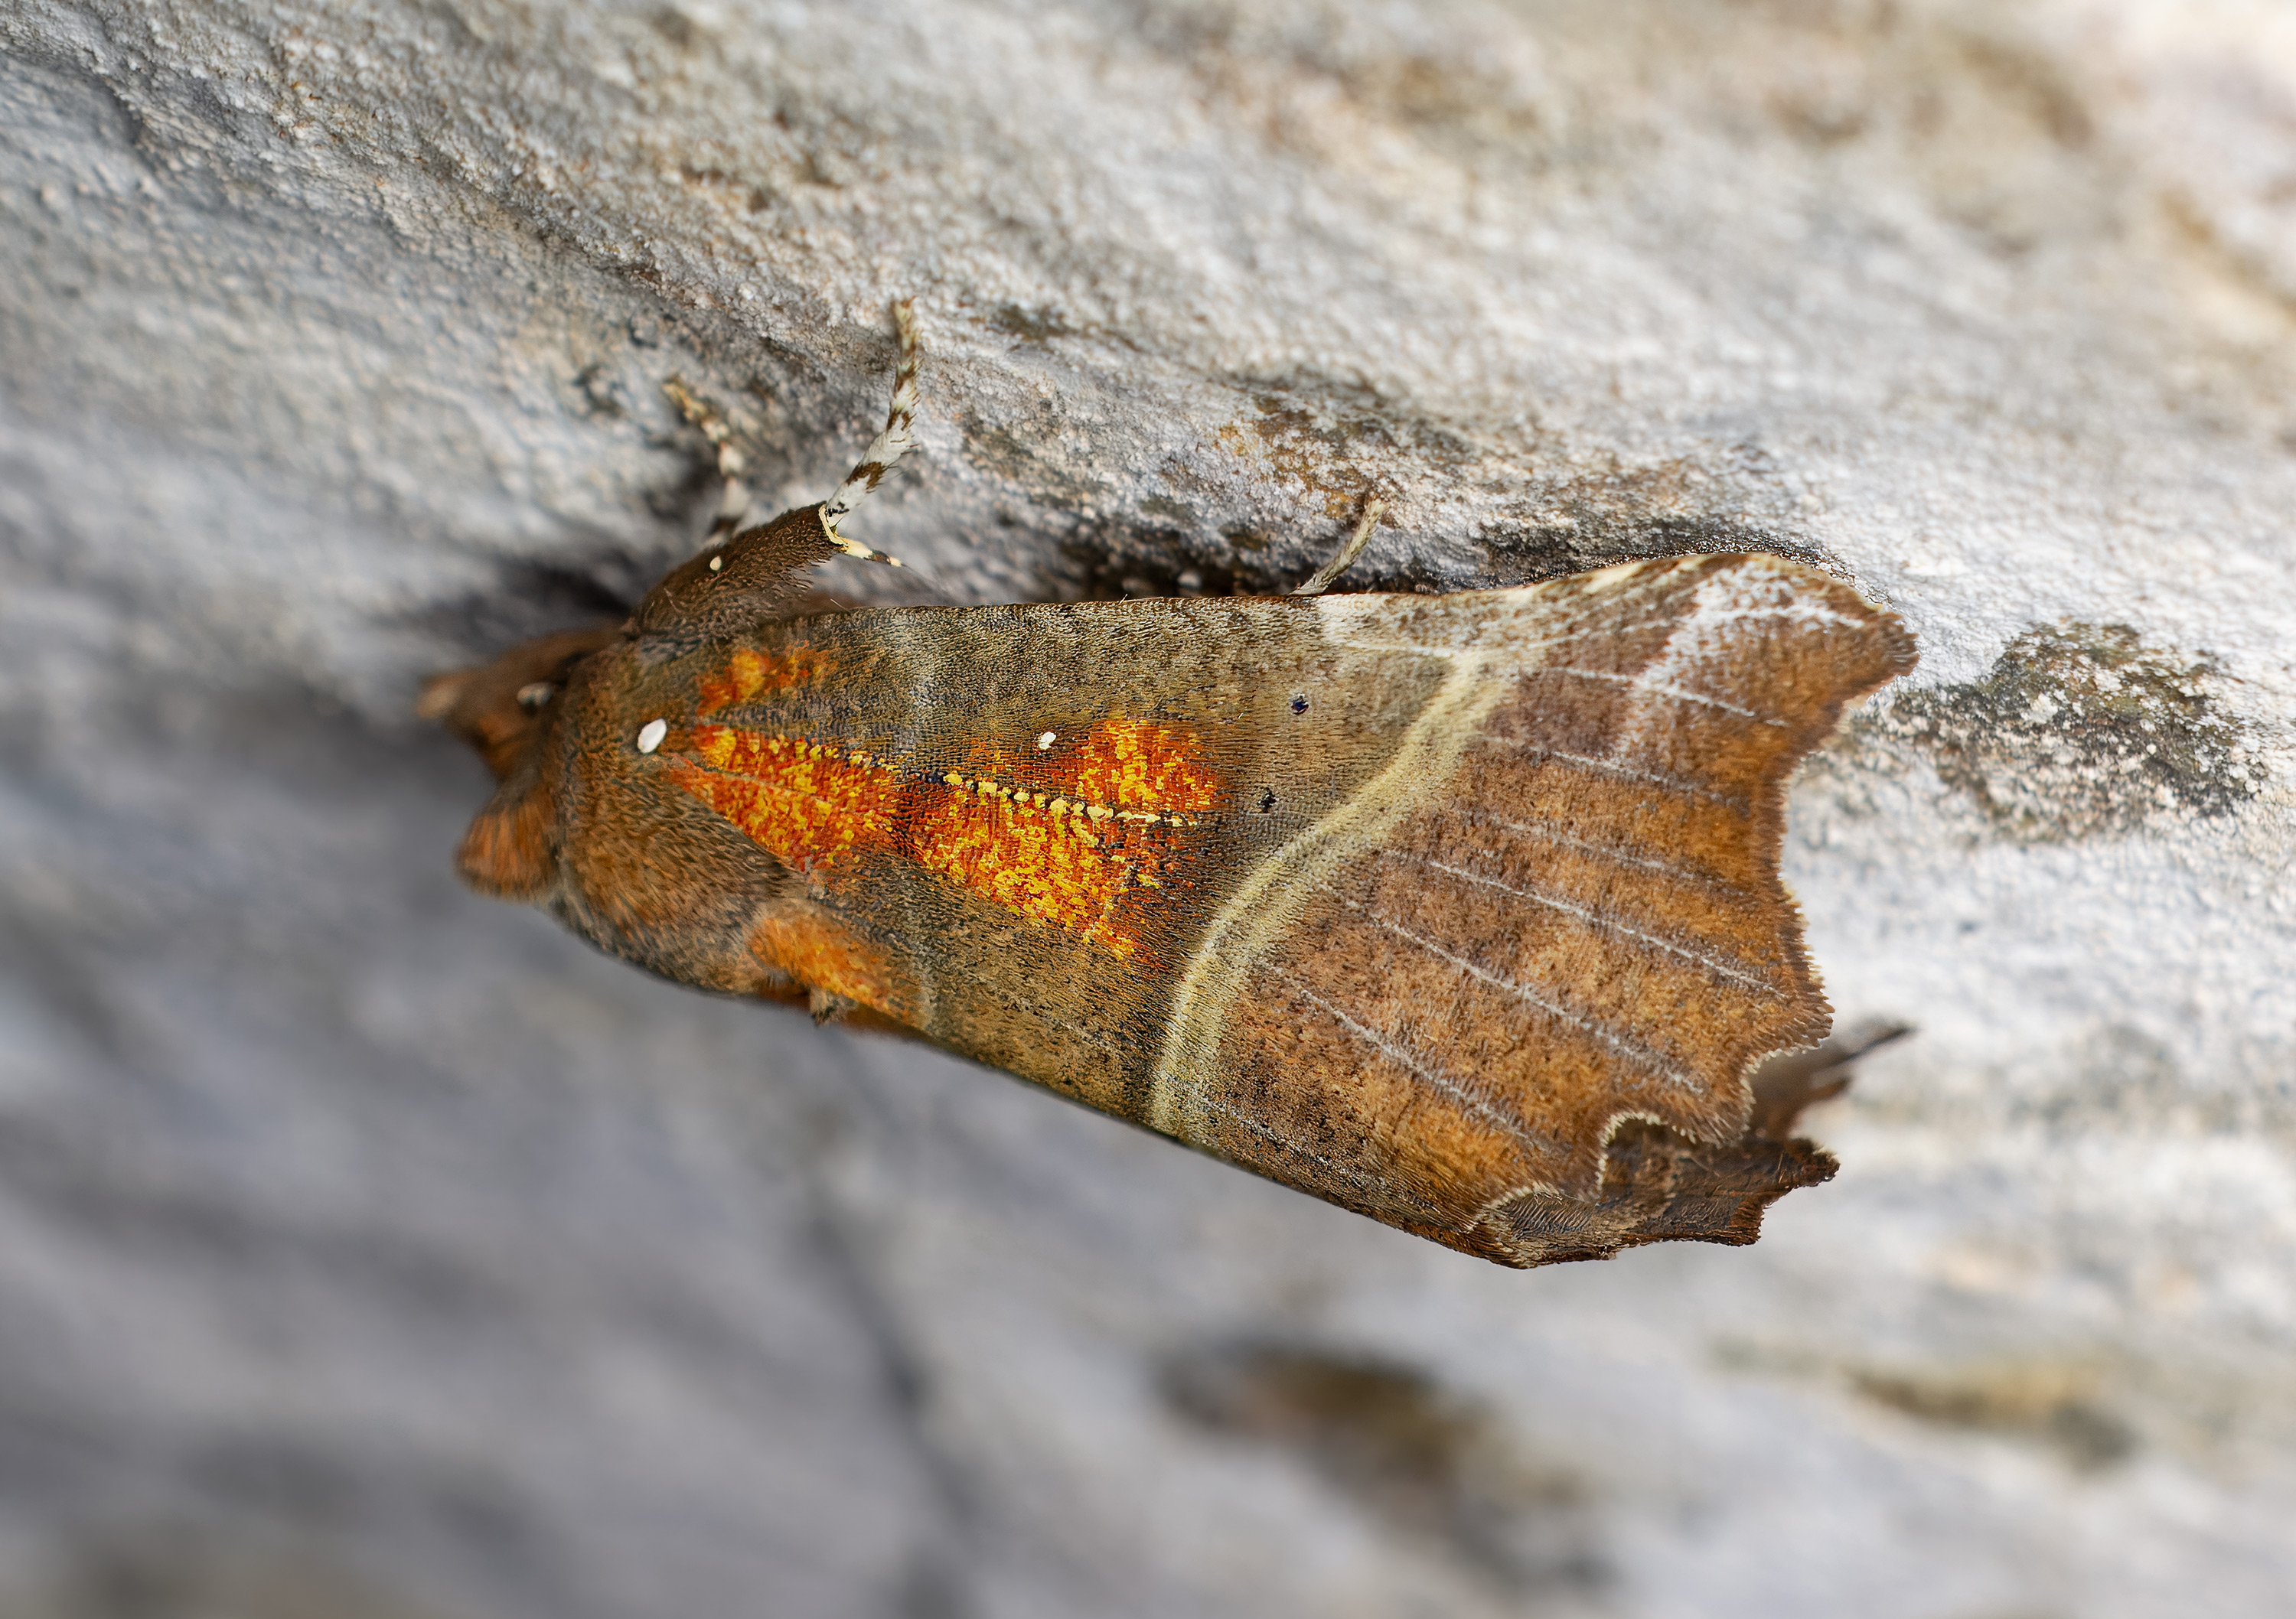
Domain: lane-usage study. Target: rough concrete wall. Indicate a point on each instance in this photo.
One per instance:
(366, 1248)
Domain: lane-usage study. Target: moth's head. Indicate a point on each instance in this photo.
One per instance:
(503, 709)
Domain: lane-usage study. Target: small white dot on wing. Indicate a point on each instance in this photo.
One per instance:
(650, 733)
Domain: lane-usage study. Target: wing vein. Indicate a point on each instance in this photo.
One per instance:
(1612, 767)
(1663, 688)
(1595, 918)
(1042, 1016)
(1611, 631)
(1547, 834)
(1378, 1184)
(1456, 1089)
(1633, 1051)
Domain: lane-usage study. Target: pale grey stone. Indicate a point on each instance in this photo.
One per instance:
(368, 1248)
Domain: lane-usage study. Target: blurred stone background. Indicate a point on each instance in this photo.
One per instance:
(367, 1249)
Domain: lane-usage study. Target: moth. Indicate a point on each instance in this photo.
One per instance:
(1462, 911)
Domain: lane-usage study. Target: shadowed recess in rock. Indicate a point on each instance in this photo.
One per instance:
(1427, 1462)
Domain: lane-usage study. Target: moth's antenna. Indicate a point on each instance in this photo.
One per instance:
(895, 442)
(1321, 579)
(703, 417)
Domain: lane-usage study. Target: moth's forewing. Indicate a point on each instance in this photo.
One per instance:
(1405, 901)
(1659, 1188)
(1117, 769)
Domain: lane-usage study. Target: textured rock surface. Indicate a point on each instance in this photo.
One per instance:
(368, 1249)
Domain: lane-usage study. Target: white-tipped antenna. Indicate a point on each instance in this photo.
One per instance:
(895, 442)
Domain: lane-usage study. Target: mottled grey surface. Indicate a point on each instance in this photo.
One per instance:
(366, 1249)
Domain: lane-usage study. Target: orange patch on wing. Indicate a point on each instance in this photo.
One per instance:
(1090, 874)
(813, 948)
(1089, 866)
(1132, 764)
(817, 809)
(749, 672)
(1029, 861)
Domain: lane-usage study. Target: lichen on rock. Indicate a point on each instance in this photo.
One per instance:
(2077, 730)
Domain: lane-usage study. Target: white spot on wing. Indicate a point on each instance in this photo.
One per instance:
(650, 733)
(1047, 739)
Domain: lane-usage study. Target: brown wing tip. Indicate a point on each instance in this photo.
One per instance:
(1660, 1187)
(1707, 1173)
(1874, 649)
(1889, 648)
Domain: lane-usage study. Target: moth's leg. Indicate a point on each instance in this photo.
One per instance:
(895, 442)
(825, 1007)
(1323, 578)
(703, 417)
